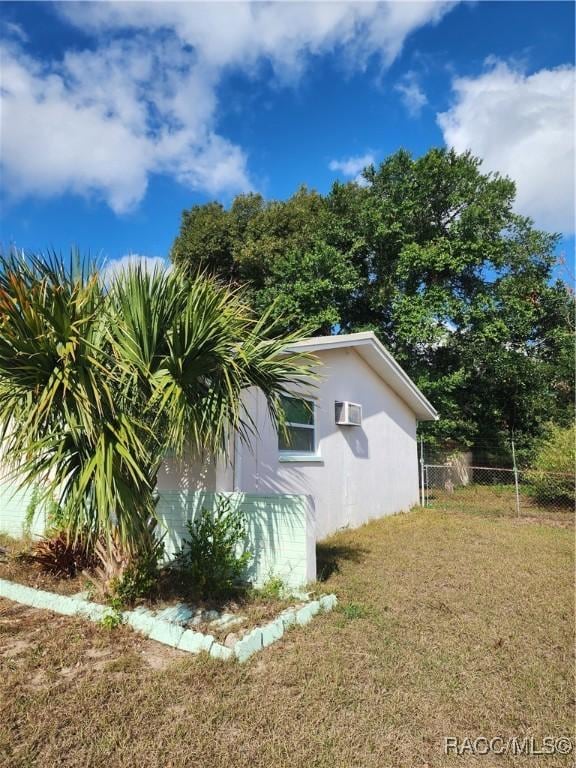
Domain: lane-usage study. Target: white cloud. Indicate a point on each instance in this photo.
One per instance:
(243, 33)
(352, 167)
(101, 122)
(144, 98)
(115, 267)
(412, 95)
(522, 126)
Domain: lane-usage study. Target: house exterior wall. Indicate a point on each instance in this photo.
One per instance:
(187, 475)
(280, 528)
(280, 531)
(361, 472)
(14, 505)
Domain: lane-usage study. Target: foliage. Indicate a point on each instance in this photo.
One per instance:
(56, 519)
(430, 255)
(273, 588)
(63, 555)
(55, 515)
(31, 510)
(556, 452)
(277, 250)
(112, 620)
(209, 559)
(353, 610)
(98, 381)
(552, 478)
(139, 578)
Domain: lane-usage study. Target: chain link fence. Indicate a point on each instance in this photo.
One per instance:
(458, 486)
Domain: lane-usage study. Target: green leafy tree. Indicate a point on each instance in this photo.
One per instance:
(278, 251)
(97, 382)
(430, 255)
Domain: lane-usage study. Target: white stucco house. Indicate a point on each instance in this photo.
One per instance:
(350, 455)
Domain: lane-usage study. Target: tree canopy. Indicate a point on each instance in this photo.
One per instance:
(427, 252)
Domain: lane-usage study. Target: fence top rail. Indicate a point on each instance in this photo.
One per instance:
(468, 466)
(501, 469)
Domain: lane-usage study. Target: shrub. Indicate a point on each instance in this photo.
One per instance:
(121, 580)
(112, 620)
(139, 579)
(273, 589)
(552, 478)
(62, 555)
(209, 559)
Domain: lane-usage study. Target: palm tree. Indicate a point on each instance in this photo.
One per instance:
(98, 381)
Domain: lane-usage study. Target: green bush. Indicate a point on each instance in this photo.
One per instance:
(112, 620)
(551, 480)
(209, 559)
(139, 579)
(273, 589)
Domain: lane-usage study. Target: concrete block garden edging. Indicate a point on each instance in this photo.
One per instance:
(167, 632)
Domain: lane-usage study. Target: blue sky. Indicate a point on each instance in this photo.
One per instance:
(115, 117)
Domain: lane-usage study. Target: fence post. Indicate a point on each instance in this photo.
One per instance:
(516, 479)
(422, 499)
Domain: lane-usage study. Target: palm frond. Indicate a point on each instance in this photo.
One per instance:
(98, 381)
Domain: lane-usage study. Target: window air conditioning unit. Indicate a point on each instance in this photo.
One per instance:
(347, 414)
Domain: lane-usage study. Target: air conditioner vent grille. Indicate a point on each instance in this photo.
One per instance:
(347, 414)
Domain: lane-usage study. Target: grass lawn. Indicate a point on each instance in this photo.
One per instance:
(448, 625)
(500, 501)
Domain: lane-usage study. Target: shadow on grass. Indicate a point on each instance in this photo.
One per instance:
(329, 557)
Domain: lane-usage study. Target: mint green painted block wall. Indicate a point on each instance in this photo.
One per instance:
(280, 528)
(13, 506)
(279, 531)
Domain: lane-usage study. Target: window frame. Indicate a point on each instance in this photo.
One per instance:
(287, 454)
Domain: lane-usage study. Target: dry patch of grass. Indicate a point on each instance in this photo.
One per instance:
(448, 625)
(499, 501)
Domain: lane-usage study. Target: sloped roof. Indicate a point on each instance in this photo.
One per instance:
(375, 354)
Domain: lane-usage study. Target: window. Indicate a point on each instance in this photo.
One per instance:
(300, 429)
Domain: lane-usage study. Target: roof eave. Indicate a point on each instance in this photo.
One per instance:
(375, 354)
